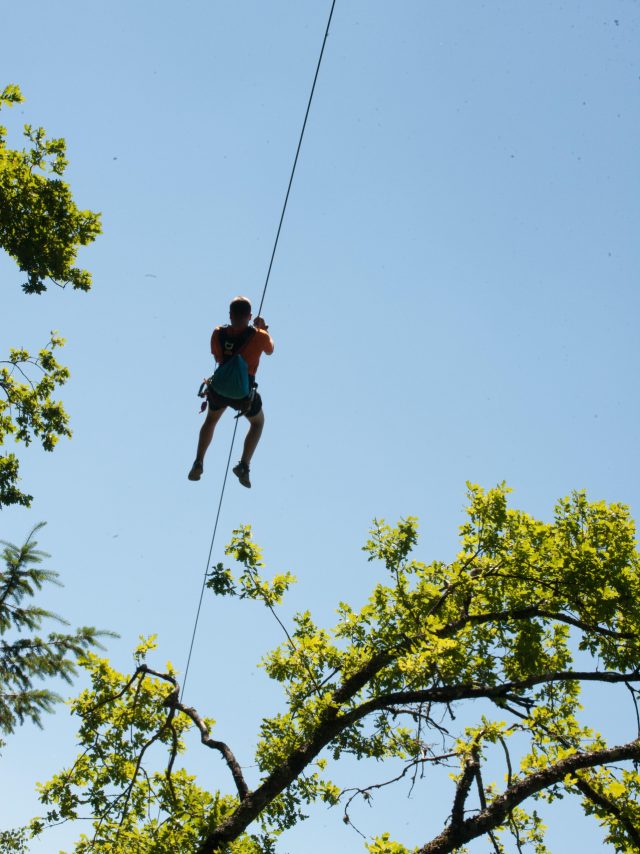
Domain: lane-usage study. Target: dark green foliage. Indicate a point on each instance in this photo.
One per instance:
(26, 657)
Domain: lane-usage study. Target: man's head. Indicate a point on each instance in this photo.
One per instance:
(240, 312)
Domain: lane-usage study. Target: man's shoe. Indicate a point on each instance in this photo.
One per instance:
(196, 471)
(241, 471)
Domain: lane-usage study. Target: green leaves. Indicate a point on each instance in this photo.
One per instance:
(25, 659)
(249, 584)
(385, 845)
(10, 95)
(392, 545)
(127, 774)
(28, 409)
(41, 227)
(495, 631)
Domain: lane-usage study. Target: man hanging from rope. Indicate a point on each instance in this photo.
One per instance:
(237, 349)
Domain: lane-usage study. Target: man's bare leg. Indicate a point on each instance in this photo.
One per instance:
(256, 423)
(204, 440)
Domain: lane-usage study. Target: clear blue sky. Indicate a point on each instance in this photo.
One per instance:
(455, 298)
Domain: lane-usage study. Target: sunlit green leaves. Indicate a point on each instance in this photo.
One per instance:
(41, 227)
(503, 621)
(249, 584)
(128, 775)
(385, 845)
(28, 409)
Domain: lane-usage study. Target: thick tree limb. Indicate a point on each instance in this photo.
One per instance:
(527, 614)
(220, 746)
(458, 834)
(252, 803)
(453, 693)
(334, 723)
(469, 773)
(173, 702)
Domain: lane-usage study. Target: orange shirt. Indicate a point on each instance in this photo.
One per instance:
(259, 343)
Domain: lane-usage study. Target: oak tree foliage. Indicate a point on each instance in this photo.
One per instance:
(41, 228)
(28, 409)
(506, 633)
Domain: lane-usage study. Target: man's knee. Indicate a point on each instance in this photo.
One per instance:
(257, 421)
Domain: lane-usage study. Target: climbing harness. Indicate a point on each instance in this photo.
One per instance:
(231, 384)
(264, 293)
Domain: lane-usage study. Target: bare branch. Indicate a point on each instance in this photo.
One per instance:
(365, 791)
(512, 823)
(634, 697)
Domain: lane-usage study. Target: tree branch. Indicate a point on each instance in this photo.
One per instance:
(471, 765)
(334, 723)
(173, 702)
(527, 614)
(365, 791)
(452, 693)
(495, 814)
(483, 805)
(613, 809)
(220, 746)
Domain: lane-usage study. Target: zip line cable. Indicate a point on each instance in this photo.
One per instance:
(206, 569)
(264, 293)
(295, 161)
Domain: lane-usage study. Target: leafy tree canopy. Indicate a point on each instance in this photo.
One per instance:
(503, 624)
(28, 409)
(41, 227)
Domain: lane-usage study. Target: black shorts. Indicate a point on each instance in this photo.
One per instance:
(216, 402)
